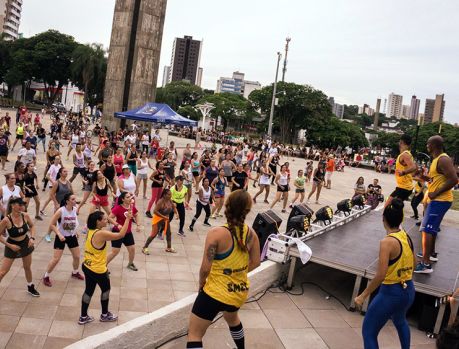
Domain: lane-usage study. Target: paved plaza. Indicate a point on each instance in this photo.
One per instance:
(276, 321)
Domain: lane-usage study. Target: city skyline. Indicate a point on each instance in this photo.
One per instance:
(336, 47)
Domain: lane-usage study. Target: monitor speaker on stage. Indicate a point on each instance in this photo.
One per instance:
(301, 210)
(265, 224)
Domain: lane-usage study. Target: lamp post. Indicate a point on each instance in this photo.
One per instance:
(273, 102)
(416, 136)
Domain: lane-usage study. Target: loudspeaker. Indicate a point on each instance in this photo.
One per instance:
(265, 224)
(301, 210)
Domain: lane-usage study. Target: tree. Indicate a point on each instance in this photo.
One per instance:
(179, 93)
(231, 108)
(388, 140)
(189, 112)
(336, 133)
(51, 57)
(88, 68)
(299, 107)
(350, 111)
(5, 58)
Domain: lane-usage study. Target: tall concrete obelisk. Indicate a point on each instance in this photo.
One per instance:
(133, 60)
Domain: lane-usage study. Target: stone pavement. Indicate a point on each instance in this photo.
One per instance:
(305, 321)
(50, 321)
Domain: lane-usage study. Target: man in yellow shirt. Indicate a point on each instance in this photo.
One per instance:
(404, 168)
(442, 178)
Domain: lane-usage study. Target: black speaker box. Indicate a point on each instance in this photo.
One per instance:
(265, 224)
(301, 210)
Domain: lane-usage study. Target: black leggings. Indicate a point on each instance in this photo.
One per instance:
(199, 207)
(415, 201)
(92, 279)
(181, 214)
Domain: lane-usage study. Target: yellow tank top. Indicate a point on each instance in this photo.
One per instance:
(437, 180)
(227, 281)
(95, 259)
(401, 269)
(406, 181)
(20, 130)
(418, 187)
(178, 196)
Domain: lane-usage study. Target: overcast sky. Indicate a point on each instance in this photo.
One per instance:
(354, 50)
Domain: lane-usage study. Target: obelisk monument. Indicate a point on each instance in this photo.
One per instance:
(133, 60)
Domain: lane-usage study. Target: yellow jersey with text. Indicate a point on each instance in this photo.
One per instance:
(95, 259)
(227, 281)
(400, 269)
(406, 181)
(437, 180)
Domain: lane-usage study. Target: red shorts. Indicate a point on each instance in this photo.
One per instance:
(100, 201)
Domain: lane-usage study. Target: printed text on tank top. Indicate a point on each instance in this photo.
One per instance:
(68, 221)
(79, 160)
(205, 196)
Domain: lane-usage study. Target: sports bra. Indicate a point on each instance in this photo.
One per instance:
(17, 232)
(103, 191)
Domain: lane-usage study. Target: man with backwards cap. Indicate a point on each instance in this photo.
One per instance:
(441, 180)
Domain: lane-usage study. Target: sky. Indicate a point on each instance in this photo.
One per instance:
(353, 50)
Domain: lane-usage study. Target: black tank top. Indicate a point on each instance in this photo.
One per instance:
(132, 158)
(109, 172)
(103, 191)
(158, 177)
(16, 232)
(29, 180)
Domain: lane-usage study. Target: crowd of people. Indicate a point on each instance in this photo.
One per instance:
(211, 181)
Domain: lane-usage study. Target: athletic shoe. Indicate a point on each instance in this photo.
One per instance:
(207, 224)
(148, 214)
(77, 275)
(48, 238)
(415, 218)
(32, 291)
(290, 206)
(109, 317)
(160, 236)
(47, 281)
(213, 216)
(181, 233)
(220, 215)
(38, 218)
(433, 256)
(43, 213)
(418, 223)
(317, 203)
(145, 251)
(85, 320)
(132, 267)
(422, 268)
(190, 227)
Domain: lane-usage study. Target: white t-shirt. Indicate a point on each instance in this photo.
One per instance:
(145, 140)
(52, 172)
(130, 138)
(26, 155)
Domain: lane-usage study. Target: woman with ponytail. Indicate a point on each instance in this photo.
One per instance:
(230, 253)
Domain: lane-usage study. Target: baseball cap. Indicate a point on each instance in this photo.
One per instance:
(125, 166)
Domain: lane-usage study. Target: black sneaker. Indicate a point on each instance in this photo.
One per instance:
(207, 224)
(181, 233)
(85, 320)
(148, 214)
(32, 291)
(190, 227)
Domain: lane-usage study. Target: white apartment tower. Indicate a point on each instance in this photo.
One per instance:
(10, 18)
(394, 105)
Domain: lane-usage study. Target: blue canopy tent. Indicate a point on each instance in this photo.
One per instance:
(158, 113)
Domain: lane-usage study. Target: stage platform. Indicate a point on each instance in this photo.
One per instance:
(354, 248)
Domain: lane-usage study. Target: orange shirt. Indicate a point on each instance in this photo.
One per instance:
(330, 165)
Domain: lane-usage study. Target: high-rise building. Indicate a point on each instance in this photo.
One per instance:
(10, 18)
(405, 111)
(414, 108)
(434, 109)
(186, 57)
(394, 106)
(166, 75)
(338, 110)
(199, 77)
(237, 85)
(365, 109)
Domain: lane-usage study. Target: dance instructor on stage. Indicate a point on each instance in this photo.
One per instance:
(230, 253)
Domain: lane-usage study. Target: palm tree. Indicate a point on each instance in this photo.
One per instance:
(88, 66)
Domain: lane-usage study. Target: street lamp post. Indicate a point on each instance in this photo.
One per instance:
(416, 136)
(205, 110)
(273, 102)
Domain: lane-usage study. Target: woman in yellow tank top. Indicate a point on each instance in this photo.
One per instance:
(95, 264)
(230, 253)
(394, 279)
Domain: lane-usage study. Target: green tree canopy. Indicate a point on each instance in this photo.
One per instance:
(299, 107)
(179, 93)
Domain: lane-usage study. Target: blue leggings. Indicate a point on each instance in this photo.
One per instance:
(391, 302)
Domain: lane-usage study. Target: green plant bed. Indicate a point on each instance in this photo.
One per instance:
(456, 200)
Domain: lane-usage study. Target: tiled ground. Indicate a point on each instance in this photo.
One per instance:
(310, 321)
(50, 321)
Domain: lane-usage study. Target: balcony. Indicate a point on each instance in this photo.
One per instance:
(11, 26)
(15, 12)
(9, 34)
(17, 4)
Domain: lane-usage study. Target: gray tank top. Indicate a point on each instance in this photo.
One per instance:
(62, 189)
